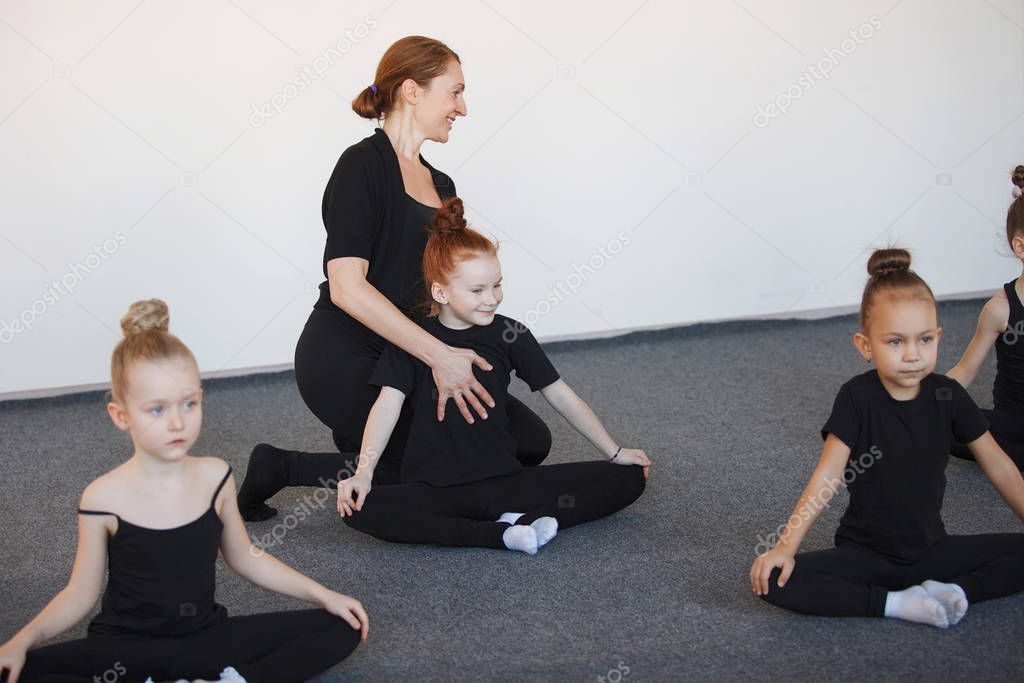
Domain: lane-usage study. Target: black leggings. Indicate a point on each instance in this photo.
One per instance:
(333, 363)
(1007, 428)
(466, 515)
(276, 647)
(853, 581)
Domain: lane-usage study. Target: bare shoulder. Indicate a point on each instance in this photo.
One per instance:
(996, 312)
(209, 468)
(104, 492)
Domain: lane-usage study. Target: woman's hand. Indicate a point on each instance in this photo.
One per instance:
(761, 572)
(12, 659)
(453, 375)
(634, 456)
(359, 484)
(349, 609)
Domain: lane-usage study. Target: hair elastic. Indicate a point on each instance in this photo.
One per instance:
(373, 88)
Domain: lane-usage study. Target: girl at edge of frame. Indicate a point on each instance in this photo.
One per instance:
(159, 617)
(888, 438)
(1001, 324)
(461, 482)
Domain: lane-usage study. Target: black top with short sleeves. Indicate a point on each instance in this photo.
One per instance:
(453, 451)
(368, 214)
(896, 474)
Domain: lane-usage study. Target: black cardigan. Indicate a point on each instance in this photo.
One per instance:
(368, 214)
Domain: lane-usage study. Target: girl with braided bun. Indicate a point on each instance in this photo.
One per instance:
(888, 439)
(378, 202)
(461, 483)
(157, 523)
(1001, 324)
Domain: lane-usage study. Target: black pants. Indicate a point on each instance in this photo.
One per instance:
(1007, 427)
(466, 515)
(276, 647)
(333, 363)
(853, 581)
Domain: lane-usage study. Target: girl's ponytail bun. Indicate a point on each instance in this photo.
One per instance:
(450, 217)
(145, 316)
(884, 261)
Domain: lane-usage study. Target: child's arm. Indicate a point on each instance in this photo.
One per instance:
(991, 324)
(825, 480)
(379, 425)
(74, 601)
(1001, 471)
(583, 419)
(264, 570)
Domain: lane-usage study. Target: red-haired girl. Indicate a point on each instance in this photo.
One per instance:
(461, 483)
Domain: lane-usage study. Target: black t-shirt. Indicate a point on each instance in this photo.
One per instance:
(368, 214)
(453, 451)
(898, 455)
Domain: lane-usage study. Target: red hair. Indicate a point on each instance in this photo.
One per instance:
(451, 241)
(416, 57)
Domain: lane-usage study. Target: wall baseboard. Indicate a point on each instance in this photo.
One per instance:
(810, 314)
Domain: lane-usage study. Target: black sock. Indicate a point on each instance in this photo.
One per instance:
(266, 474)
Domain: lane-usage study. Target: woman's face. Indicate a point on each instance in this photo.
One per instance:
(442, 102)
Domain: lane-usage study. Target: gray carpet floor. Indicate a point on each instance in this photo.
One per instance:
(729, 413)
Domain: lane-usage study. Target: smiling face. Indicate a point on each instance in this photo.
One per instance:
(472, 293)
(902, 340)
(161, 408)
(440, 103)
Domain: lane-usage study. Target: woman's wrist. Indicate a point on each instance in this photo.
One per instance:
(615, 454)
(432, 351)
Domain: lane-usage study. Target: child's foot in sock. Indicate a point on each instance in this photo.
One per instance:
(266, 474)
(915, 604)
(546, 528)
(520, 537)
(951, 596)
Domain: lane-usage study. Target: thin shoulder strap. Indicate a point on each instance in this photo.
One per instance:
(220, 486)
(97, 512)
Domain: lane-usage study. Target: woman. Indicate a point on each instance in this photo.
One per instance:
(377, 205)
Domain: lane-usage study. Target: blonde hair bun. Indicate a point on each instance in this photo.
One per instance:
(150, 315)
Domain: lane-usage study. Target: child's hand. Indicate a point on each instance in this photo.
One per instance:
(12, 660)
(633, 456)
(349, 609)
(761, 572)
(358, 484)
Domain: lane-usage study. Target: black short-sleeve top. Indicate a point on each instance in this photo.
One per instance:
(896, 474)
(368, 214)
(453, 451)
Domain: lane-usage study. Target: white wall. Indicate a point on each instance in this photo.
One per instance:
(132, 122)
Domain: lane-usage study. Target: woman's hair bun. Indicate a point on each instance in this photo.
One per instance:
(888, 261)
(150, 315)
(450, 217)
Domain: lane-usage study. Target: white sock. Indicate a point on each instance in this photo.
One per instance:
(546, 528)
(914, 604)
(510, 517)
(951, 596)
(523, 538)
